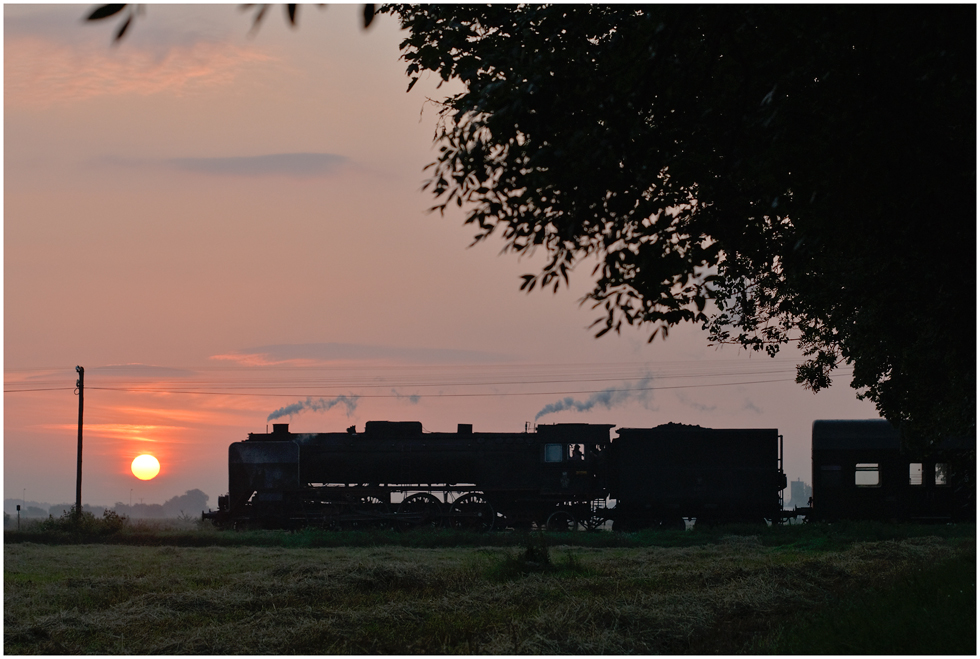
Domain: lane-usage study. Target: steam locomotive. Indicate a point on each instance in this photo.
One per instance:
(393, 474)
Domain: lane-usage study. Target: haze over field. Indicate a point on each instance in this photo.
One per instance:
(229, 231)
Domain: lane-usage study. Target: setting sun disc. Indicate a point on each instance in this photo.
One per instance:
(145, 467)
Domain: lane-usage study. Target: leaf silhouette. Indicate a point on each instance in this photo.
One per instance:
(104, 11)
(124, 27)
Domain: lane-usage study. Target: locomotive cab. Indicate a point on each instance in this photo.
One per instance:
(570, 455)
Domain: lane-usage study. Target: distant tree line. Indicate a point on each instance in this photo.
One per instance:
(191, 503)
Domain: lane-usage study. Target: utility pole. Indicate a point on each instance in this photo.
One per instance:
(80, 390)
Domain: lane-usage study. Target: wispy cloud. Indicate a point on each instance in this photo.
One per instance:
(139, 371)
(40, 72)
(205, 417)
(282, 164)
(315, 353)
(129, 431)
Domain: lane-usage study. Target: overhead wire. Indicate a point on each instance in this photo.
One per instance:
(442, 376)
(456, 395)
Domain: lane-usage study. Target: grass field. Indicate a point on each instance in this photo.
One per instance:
(813, 590)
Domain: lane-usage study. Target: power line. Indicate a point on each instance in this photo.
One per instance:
(442, 395)
(17, 391)
(362, 377)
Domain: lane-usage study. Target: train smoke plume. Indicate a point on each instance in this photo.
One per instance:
(319, 405)
(608, 398)
(413, 398)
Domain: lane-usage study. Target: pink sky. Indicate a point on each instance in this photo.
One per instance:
(217, 227)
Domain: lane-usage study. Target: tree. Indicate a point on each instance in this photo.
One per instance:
(774, 173)
(191, 502)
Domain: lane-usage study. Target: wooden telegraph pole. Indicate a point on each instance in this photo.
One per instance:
(80, 389)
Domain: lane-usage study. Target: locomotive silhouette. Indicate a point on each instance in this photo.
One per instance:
(560, 476)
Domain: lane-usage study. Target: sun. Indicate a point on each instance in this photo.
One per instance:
(145, 467)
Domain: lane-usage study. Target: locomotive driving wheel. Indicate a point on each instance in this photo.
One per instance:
(472, 512)
(368, 512)
(594, 522)
(597, 515)
(419, 509)
(560, 520)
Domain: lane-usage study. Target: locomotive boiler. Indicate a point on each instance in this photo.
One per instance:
(393, 473)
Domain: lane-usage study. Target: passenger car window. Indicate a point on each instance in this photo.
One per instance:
(552, 452)
(942, 473)
(915, 473)
(866, 474)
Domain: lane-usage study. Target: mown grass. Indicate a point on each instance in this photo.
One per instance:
(929, 610)
(537, 594)
(190, 533)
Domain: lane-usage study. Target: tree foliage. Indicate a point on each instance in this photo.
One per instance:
(774, 173)
(130, 12)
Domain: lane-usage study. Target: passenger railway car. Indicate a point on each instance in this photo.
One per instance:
(862, 471)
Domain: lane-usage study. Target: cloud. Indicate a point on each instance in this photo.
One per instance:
(607, 398)
(206, 417)
(284, 164)
(128, 431)
(158, 29)
(39, 72)
(139, 371)
(314, 353)
(319, 405)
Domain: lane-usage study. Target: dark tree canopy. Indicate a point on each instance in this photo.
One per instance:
(775, 173)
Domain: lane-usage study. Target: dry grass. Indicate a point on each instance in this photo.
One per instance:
(717, 598)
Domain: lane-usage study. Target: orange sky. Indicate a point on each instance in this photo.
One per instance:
(219, 226)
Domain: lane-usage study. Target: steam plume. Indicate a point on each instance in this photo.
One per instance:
(413, 399)
(319, 405)
(608, 398)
